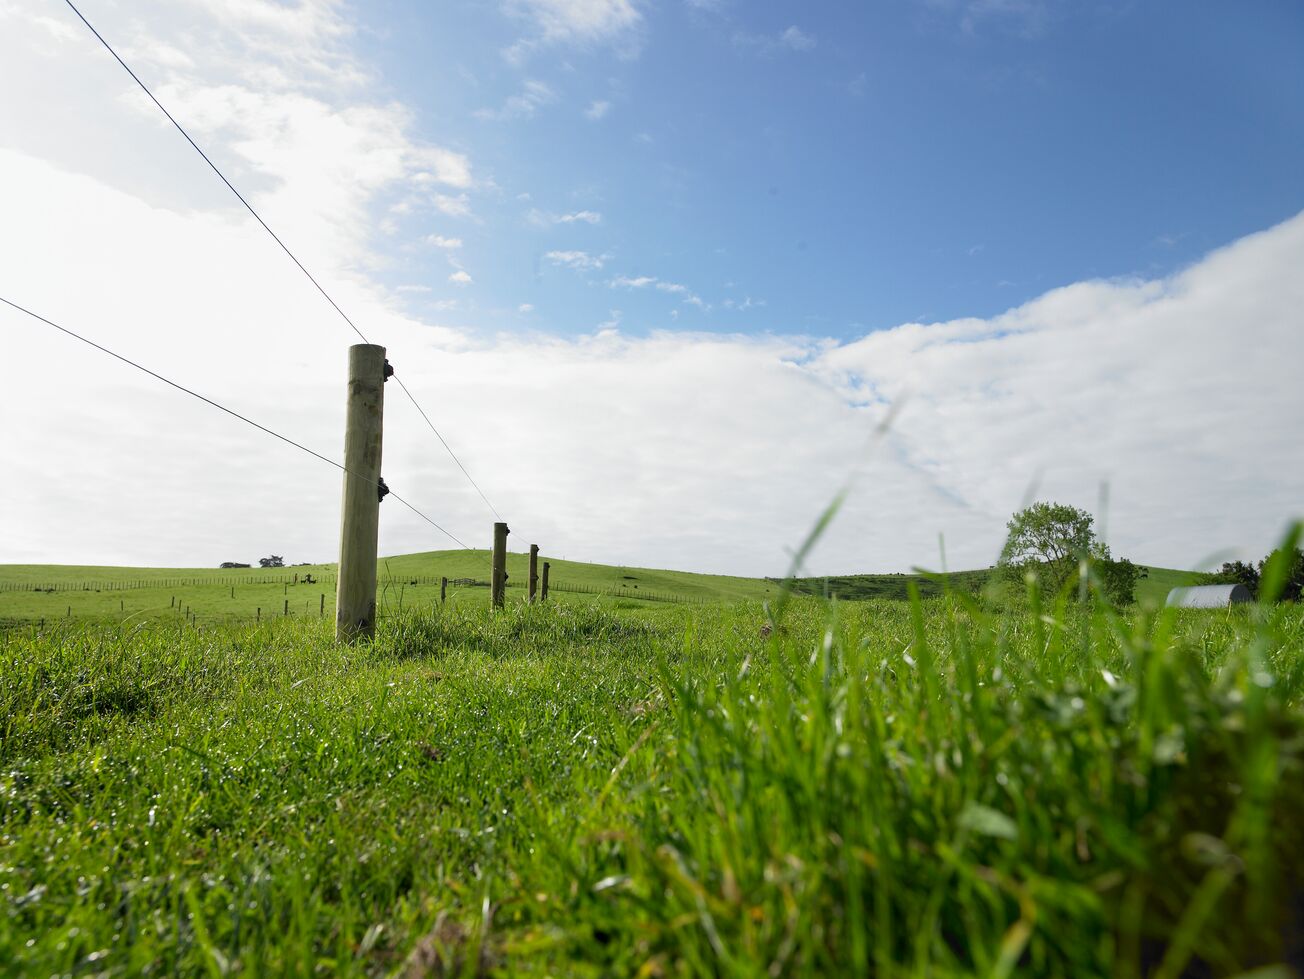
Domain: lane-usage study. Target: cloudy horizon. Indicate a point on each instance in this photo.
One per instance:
(671, 404)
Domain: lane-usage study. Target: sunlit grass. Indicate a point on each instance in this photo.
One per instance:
(886, 788)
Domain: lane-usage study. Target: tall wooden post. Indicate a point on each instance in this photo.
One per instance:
(443, 590)
(543, 595)
(499, 581)
(534, 571)
(355, 592)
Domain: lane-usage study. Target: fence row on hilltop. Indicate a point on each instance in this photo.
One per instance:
(232, 581)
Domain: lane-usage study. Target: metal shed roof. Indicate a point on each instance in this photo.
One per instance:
(1208, 596)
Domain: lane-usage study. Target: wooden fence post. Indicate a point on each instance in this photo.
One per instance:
(355, 594)
(443, 590)
(498, 582)
(258, 614)
(543, 595)
(534, 571)
(321, 608)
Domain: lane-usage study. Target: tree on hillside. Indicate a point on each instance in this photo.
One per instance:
(1118, 578)
(1293, 586)
(1049, 540)
(1236, 573)
(271, 561)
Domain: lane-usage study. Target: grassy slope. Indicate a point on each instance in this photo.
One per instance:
(215, 602)
(576, 791)
(1152, 589)
(238, 597)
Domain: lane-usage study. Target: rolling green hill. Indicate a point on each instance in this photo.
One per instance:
(1152, 589)
(34, 592)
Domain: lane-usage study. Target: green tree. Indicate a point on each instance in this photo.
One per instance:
(1118, 579)
(1293, 586)
(1050, 540)
(1236, 573)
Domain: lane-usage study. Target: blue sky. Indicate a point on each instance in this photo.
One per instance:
(658, 270)
(851, 166)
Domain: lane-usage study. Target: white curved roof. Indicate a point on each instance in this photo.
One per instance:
(1208, 596)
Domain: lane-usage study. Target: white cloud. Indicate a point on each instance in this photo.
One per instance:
(524, 104)
(644, 281)
(545, 218)
(586, 217)
(1098, 381)
(597, 109)
(791, 39)
(583, 21)
(460, 278)
(413, 288)
(458, 206)
(525, 308)
(797, 39)
(439, 241)
(1183, 393)
(580, 261)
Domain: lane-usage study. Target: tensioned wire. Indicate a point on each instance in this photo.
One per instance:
(229, 411)
(285, 248)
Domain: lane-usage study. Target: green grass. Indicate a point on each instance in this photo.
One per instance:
(119, 594)
(1152, 589)
(879, 788)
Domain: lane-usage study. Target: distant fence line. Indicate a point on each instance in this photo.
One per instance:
(198, 617)
(639, 593)
(136, 583)
(328, 579)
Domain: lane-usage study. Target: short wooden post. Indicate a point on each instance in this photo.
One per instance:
(534, 571)
(321, 610)
(443, 590)
(286, 610)
(355, 593)
(543, 594)
(498, 584)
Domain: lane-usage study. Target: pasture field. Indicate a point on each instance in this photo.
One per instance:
(411, 581)
(936, 788)
(406, 582)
